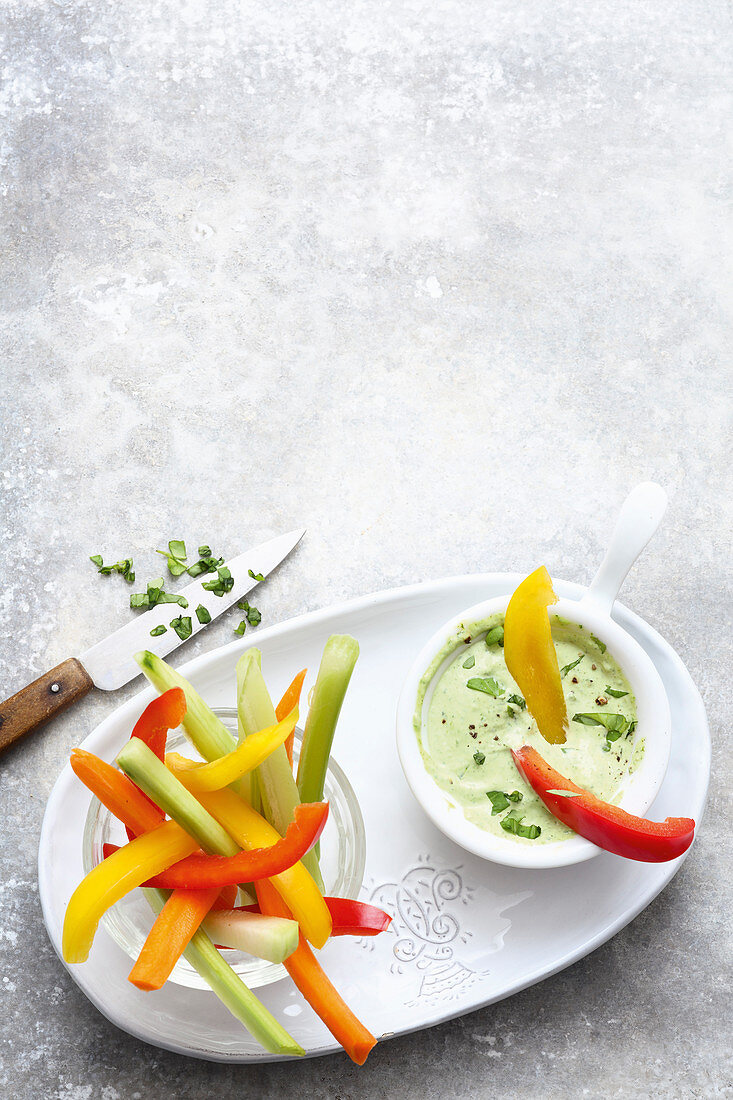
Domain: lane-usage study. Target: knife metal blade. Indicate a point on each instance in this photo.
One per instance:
(111, 663)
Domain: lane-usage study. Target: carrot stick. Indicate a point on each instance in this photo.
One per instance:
(135, 810)
(310, 979)
(290, 699)
(170, 935)
(115, 791)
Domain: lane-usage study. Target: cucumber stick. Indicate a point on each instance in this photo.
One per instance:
(145, 769)
(207, 733)
(337, 664)
(271, 938)
(231, 990)
(277, 787)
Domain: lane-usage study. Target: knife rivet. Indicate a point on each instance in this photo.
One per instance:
(55, 688)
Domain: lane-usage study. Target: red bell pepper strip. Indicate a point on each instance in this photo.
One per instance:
(199, 872)
(163, 714)
(606, 825)
(350, 918)
(304, 969)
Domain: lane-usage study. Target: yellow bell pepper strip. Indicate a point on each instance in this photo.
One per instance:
(306, 972)
(250, 754)
(530, 654)
(114, 877)
(296, 886)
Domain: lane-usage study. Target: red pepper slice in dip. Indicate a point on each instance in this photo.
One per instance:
(606, 825)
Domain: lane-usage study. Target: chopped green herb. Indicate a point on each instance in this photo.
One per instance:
(567, 668)
(254, 616)
(601, 645)
(511, 712)
(175, 556)
(479, 757)
(498, 800)
(632, 727)
(614, 723)
(243, 605)
(157, 631)
(223, 583)
(204, 551)
(515, 796)
(512, 824)
(124, 567)
(138, 600)
(173, 597)
(616, 694)
(518, 701)
(487, 684)
(255, 576)
(469, 662)
(241, 628)
(565, 794)
(182, 626)
(495, 636)
(206, 564)
(203, 614)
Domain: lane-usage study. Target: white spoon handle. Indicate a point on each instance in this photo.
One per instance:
(640, 515)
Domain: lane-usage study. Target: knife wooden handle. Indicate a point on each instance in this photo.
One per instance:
(45, 697)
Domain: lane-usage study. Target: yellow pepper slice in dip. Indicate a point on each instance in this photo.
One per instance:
(530, 654)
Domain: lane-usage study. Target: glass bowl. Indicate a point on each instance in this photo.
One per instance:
(342, 859)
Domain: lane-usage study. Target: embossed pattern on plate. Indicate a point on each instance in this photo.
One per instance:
(464, 931)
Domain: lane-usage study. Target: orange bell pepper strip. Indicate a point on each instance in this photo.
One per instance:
(531, 657)
(115, 791)
(201, 872)
(296, 885)
(114, 877)
(245, 758)
(318, 991)
(170, 936)
(606, 825)
(290, 699)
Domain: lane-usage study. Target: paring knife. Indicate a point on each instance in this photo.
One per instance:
(110, 664)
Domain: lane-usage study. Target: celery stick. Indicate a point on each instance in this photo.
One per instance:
(337, 664)
(207, 733)
(270, 938)
(278, 790)
(231, 990)
(144, 768)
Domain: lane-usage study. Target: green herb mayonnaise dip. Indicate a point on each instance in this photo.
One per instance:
(467, 732)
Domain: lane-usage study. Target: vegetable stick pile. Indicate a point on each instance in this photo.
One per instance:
(198, 831)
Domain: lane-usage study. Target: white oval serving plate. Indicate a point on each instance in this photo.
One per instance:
(465, 932)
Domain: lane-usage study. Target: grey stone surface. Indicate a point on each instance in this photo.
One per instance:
(440, 281)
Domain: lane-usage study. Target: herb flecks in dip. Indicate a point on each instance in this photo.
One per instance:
(476, 715)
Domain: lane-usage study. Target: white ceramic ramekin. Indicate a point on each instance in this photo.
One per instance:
(639, 518)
